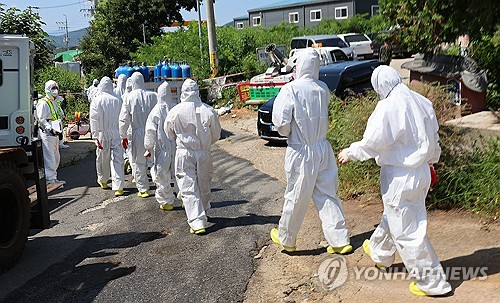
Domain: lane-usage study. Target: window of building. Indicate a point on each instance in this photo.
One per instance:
(256, 21)
(375, 10)
(293, 17)
(239, 25)
(341, 12)
(315, 15)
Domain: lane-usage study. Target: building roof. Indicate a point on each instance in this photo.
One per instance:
(281, 4)
(67, 55)
(245, 17)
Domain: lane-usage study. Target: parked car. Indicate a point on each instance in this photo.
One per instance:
(378, 38)
(362, 45)
(323, 41)
(342, 78)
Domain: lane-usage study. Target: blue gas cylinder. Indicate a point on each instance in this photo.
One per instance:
(166, 71)
(118, 71)
(186, 70)
(136, 68)
(128, 71)
(145, 72)
(157, 71)
(176, 70)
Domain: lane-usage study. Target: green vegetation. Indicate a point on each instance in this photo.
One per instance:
(348, 123)
(425, 25)
(70, 86)
(115, 32)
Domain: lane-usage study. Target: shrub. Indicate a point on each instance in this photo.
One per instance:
(348, 122)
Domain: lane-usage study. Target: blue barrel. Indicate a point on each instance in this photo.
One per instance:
(176, 70)
(145, 72)
(186, 70)
(166, 71)
(157, 72)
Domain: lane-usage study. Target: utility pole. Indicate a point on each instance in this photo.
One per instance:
(212, 40)
(199, 29)
(65, 26)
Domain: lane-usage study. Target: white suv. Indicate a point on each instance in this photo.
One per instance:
(360, 43)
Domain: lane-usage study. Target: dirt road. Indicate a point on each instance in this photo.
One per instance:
(469, 251)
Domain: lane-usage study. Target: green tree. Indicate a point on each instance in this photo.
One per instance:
(117, 30)
(29, 23)
(424, 24)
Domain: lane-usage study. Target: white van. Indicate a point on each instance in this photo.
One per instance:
(360, 43)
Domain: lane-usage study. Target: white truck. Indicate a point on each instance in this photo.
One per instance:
(282, 70)
(23, 190)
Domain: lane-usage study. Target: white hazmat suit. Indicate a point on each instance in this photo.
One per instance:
(156, 142)
(104, 118)
(301, 112)
(402, 136)
(121, 85)
(195, 126)
(49, 115)
(135, 110)
(92, 90)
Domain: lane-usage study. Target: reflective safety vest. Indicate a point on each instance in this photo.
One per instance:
(54, 112)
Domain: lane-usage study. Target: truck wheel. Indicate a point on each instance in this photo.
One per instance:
(14, 215)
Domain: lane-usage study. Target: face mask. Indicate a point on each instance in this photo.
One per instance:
(54, 92)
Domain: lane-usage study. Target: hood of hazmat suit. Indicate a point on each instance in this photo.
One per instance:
(298, 110)
(120, 85)
(155, 136)
(193, 123)
(402, 130)
(104, 113)
(136, 106)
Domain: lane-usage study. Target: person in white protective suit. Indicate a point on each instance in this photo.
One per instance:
(402, 136)
(301, 112)
(121, 85)
(104, 115)
(135, 110)
(128, 164)
(49, 117)
(195, 127)
(92, 90)
(158, 145)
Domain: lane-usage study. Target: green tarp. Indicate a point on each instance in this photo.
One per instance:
(67, 55)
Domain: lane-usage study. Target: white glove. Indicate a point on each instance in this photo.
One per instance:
(342, 157)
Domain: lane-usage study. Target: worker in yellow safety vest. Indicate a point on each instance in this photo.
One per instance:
(49, 114)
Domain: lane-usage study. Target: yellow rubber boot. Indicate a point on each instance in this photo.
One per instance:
(414, 289)
(119, 193)
(143, 194)
(102, 185)
(275, 237)
(198, 231)
(366, 248)
(342, 250)
(167, 206)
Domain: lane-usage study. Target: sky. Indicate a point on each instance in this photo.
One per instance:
(53, 12)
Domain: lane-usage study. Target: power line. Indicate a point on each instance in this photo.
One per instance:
(63, 5)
